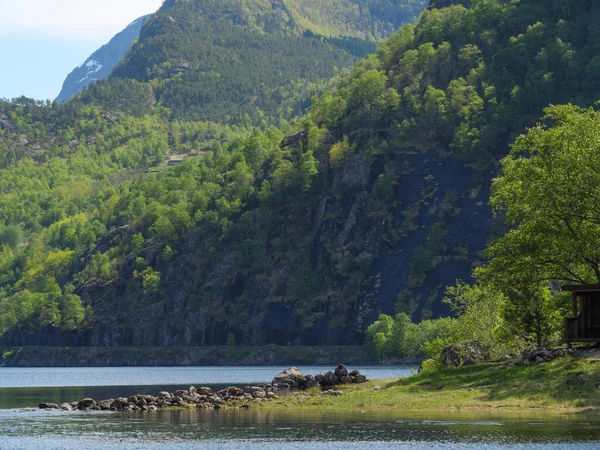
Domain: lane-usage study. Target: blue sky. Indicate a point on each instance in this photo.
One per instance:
(43, 40)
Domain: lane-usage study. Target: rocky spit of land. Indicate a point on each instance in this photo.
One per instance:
(205, 398)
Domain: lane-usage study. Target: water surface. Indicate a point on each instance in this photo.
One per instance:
(256, 428)
(28, 387)
(259, 429)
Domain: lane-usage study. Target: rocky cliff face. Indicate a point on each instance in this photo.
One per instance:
(365, 255)
(100, 64)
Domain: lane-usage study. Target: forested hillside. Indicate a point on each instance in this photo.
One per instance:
(251, 62)
(375, 202)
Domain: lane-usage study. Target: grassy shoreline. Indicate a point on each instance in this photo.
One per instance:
(568, 385)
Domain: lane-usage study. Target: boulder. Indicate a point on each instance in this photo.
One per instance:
(105, 404)
(292, 377)
(176, 401)
(66, 407)
(119, 403)
(329, 379)
(472, 352)
(258, 392)
(86, 403)
(341, 371)
(49, 406)
(347, 379)
(331, 393)
(359, 379)
(311, 382)
(541, 355)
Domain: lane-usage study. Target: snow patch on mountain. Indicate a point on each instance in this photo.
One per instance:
(101, 63)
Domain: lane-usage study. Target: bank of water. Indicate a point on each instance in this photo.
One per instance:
(258, 428)
(27, 387)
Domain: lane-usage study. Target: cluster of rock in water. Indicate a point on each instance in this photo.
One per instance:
(294, 378)
(205, 398)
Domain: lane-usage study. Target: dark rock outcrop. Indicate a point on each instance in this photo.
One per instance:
(541, 355)
(294, 378)
(465, 354)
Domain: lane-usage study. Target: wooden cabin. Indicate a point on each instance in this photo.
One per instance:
(585, 326)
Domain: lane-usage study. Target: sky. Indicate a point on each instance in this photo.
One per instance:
(42, 41)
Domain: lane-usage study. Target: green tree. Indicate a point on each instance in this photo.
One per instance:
(549, 192)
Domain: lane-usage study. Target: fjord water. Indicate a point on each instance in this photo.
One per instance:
(258, 427)
(27, 387)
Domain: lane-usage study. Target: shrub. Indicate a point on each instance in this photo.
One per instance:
(430, 366)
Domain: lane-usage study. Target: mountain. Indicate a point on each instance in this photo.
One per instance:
(373, 202)
(100, 64)
(232, 61)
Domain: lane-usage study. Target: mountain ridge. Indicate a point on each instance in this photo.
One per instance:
(101, 63)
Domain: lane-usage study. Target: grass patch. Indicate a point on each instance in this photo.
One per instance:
(566, 385)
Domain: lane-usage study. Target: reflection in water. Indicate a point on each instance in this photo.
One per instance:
(291, 429)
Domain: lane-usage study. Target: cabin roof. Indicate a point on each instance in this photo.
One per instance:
(582, 288)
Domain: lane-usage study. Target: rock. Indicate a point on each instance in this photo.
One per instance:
(331, 393)
(310, 382)
(271, 395)
(329, 379)
(542, 355)
(165, 394)
(7, 126)
(347, 379)
(258, 392)
(66, 407)
(292, 376)
(341, 371)
(49, 406)
(204, 391)
(176, 401)
(354, 373)
(516, 363)
(105, 405)
(359, 379)
(86, 403)
(455, 355)
(119, 404)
